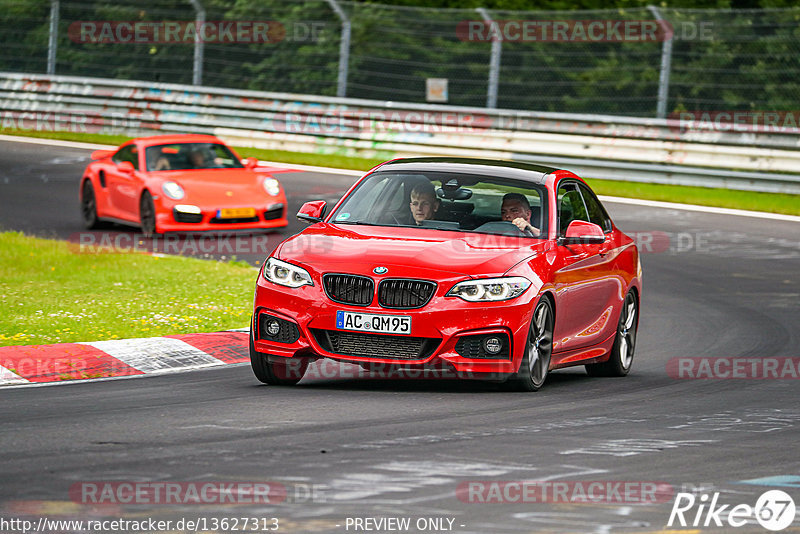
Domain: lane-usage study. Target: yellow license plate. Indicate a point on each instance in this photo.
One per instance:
(236, 213)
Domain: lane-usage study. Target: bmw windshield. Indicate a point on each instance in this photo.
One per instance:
(447, 201)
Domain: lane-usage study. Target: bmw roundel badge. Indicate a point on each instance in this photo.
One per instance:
(380, 270)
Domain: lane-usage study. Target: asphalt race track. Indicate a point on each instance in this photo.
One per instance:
(715, 286)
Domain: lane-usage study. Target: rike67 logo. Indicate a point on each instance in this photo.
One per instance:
(774, 510)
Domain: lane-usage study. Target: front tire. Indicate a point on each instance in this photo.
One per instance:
(147, 215)
(538, 349)
(621, 359)
(274, 373)
(89, 206)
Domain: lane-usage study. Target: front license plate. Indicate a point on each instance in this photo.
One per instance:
(368, 322)
(236, 213)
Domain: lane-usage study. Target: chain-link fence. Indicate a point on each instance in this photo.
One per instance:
(616, 61)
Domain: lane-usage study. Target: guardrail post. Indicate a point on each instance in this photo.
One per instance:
(494, 60)
(666, 64)
(199, 21)
(344, 49)
(52, 44)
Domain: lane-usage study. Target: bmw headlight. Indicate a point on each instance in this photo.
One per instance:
(490, 289)
(272, 186)
(172, 190)
(286, 274)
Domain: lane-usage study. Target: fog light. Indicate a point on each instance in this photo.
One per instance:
(492, 345)
(273, 327)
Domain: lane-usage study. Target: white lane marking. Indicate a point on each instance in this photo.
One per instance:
(21, 385)
(703, 209)
(157, 354)
(313, 168)
(55, 142)
(8, 377)
(633, 447)
(353, 172)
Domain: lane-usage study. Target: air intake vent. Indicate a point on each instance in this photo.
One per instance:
(375, 345)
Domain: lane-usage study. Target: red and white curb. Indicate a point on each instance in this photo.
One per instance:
(20, 365)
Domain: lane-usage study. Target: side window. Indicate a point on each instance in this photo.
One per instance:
(597, 214)
(127, 153)
(570, 206)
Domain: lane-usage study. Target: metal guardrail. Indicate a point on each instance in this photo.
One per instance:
(622, 148)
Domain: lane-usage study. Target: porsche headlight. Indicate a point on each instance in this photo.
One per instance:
(286, 274)
(272, 186)
(172, 190)
(490, 289)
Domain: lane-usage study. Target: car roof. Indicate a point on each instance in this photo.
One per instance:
(529, 172)
(175, 138)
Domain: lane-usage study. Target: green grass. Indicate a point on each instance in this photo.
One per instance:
(101, 139)
(703, 196)
(51, 293)
(723, 198)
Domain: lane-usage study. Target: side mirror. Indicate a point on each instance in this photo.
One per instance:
(250, 163)
(583, 232)
(101, 154)
(126, 167)
(312, 211)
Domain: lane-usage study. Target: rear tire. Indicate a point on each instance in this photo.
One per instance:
(89, 206)
(274, 373)
(621, 359)
(147, 215)
(538, 350)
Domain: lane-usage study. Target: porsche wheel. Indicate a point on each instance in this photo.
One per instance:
(276, 374)
(147, 215)
(538, 349)
(621, 359)
(89, 206)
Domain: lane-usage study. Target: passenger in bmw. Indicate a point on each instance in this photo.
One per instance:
(516, 210)
(424, 203)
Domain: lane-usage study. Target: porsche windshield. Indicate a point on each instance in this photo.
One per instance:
(447, 201)
(182, 156)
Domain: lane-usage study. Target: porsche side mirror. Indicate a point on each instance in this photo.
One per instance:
(101, 154)
(312, 211)
(583, 232)
(250, 163)
(126, 167)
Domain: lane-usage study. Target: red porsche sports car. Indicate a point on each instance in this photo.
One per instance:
(492, 269)
(180, 183)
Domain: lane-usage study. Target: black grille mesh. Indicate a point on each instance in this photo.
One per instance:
(349, 289)
(182, 217)
(405, 294)
(375, 345)
(274, 213)
(240, 220)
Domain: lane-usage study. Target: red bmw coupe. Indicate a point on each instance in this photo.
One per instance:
(491, 269)
(180, 183)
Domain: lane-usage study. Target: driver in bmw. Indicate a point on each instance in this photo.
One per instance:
(516, 210)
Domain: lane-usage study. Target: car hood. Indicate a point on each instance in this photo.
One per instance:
(359, 249)
(212, 186)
